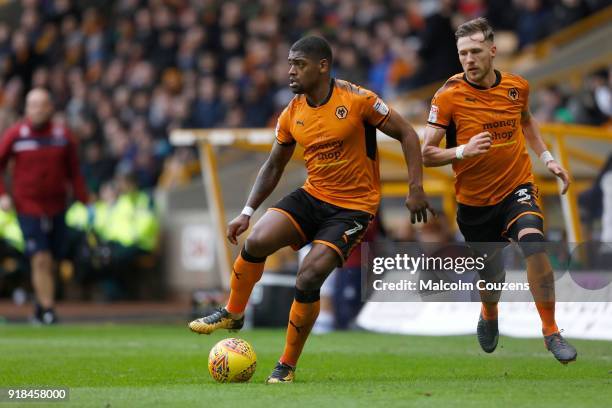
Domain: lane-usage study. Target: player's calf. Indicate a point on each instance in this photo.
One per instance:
(246, 273)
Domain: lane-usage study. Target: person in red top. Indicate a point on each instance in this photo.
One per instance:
(45, 174)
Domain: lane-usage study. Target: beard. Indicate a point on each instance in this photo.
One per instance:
(297, 88)
(481, 73)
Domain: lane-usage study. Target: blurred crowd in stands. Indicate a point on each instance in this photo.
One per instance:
(125, 73)
(590, 104)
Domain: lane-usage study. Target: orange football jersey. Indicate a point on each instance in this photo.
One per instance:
(464, 110)
(339, 141)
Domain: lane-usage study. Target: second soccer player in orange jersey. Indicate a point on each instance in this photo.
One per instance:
(335, 122)
(484, 114)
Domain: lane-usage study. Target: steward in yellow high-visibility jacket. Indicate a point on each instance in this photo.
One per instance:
(130, 222)
(10, 232)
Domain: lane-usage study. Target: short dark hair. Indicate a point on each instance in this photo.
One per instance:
(477, 25)
(314, 47)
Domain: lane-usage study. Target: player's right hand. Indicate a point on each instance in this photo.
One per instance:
(418, 205)
(236, 227)
(6, 204)
(478, 144)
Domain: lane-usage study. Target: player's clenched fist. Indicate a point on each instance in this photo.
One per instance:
(477, 145)
(236, 227)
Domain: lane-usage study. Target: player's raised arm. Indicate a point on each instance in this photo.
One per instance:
(536, 143)
(434, 155)
(416, 200)
(267, 179)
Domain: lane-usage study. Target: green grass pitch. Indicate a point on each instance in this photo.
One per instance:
(147, 366)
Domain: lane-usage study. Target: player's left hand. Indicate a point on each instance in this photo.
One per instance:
(556, 169)
(417, 204)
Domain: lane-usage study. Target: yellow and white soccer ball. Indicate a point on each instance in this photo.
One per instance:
(232, 360)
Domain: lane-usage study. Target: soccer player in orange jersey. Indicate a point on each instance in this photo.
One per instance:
(335, 122)
(484, 114)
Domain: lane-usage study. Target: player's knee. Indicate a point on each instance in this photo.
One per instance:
(42, 260)
(531, 243)
(310, 276)
(257, 244)
(247, 256)
(527, 231)
(527, 223)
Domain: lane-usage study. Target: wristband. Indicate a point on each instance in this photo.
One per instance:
(459, 152)
(546, 157)
(248, 211)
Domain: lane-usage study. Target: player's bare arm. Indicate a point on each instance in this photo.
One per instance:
(416, 200)
(435, 156)
(535, 141)
(267, 179)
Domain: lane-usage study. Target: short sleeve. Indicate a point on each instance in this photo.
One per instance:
(374, 110)
(440, 113)
(283, 134)
(526, 97)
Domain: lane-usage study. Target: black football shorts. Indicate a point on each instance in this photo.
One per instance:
(317, 221)
(492, 223)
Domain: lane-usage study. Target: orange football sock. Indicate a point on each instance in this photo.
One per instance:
(244, 277)
(547, 315)
(542, 287)
(489, 311)
(301, 319)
